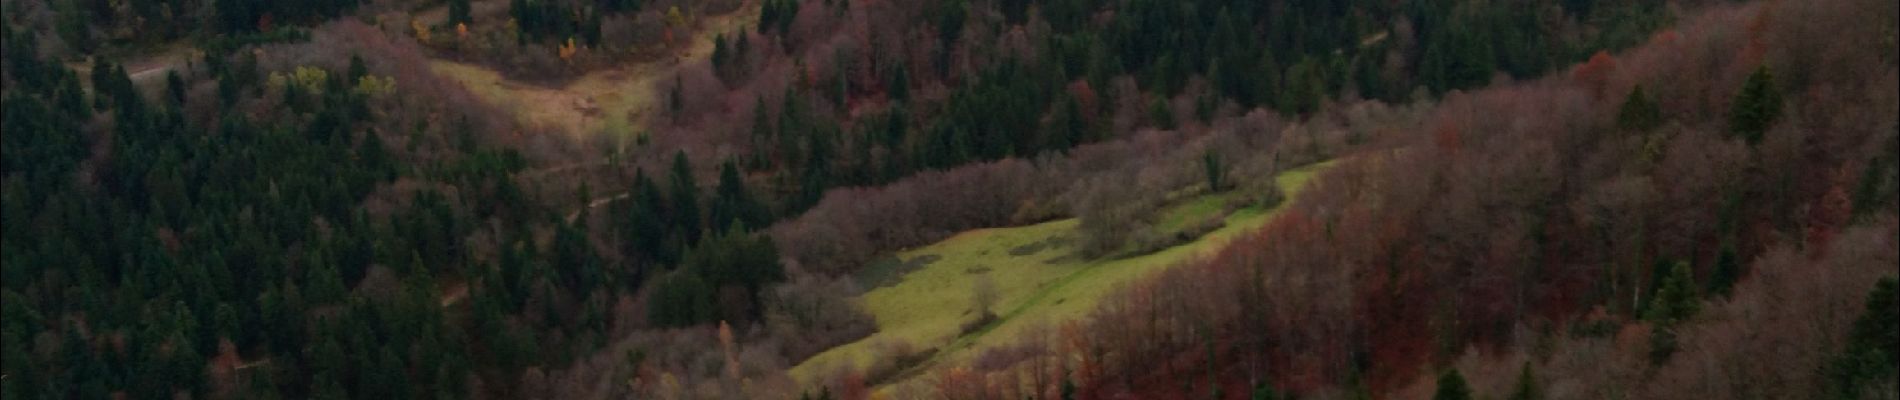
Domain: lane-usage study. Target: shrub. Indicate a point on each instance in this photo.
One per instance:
(1113, 214)
(811, 314)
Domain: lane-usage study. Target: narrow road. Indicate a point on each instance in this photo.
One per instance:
(253, 364)
(562, 168)
(455, 294)
(146, 70)
(597, 203)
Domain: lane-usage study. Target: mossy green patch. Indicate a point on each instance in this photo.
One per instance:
(1039, 281)
(1192, 211)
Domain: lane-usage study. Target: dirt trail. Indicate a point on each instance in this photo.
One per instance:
(560, 169)
(597, 203)
(253, 364)
(146, 70)
(617, 100)
(455, 294)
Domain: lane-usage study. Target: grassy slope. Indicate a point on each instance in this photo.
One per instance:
(624, 96)
(927, 307)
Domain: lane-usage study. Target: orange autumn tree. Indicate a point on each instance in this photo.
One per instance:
(567, 50)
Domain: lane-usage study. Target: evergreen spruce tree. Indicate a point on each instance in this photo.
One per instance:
(733, 205)
(721, 56)
(645, 222)
(1872, 357)
(1162, 116)
(459, 12)
(1675, 299)
(1639, 113)
(1757, 107)
(681, 299)
(676, 100)
(1452, 386)
(1876, 182)
(1728, 270)
(1674, 302)
(685, 199)
(1216, 171)
(1526, 388)
(1263, 391)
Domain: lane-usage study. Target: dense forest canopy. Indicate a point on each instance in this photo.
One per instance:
(296, 199)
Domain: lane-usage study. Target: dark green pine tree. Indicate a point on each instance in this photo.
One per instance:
(387, 377)
(73, 27)
(644, 224)
(1639, 113)
(101, 84)
(459, 12)
(326, 286)
(1728, 270)
(1162, 116)
(816, 175)
(1216, 171)
(1065, 127)
(761, 135)
(1304, 87)
(721, 56)
(326, 386)
(685, 200)
(1873, 348)
(1263, 391)
(950, 20)
(733, 203)
(740, 48)
(1452, 386)
(1876, 182)
(1675, 299)
(175, 88)
(1526, 388)
(1674, 302)
(358, 69)
(574, 257)
(1756, 108)
(899, 86)
(768, 16)
(676, 100)
(681, 299)
(738, 259)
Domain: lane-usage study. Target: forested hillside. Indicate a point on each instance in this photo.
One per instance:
(1567, 199)
(1653, 224)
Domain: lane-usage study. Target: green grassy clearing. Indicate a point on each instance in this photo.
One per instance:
(1193, 211)
(1039, 283)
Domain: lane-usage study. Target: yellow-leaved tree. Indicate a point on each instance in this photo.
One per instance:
(568, 49)
(422, 31)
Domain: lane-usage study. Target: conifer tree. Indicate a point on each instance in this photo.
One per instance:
(1675, 301)
(459, 12)
(733, 205)
(1873, 348)
(685, 199)
(1526, 388)
(1757, 107)
(1728, 270)
(1452, 386)
(1639, 113)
